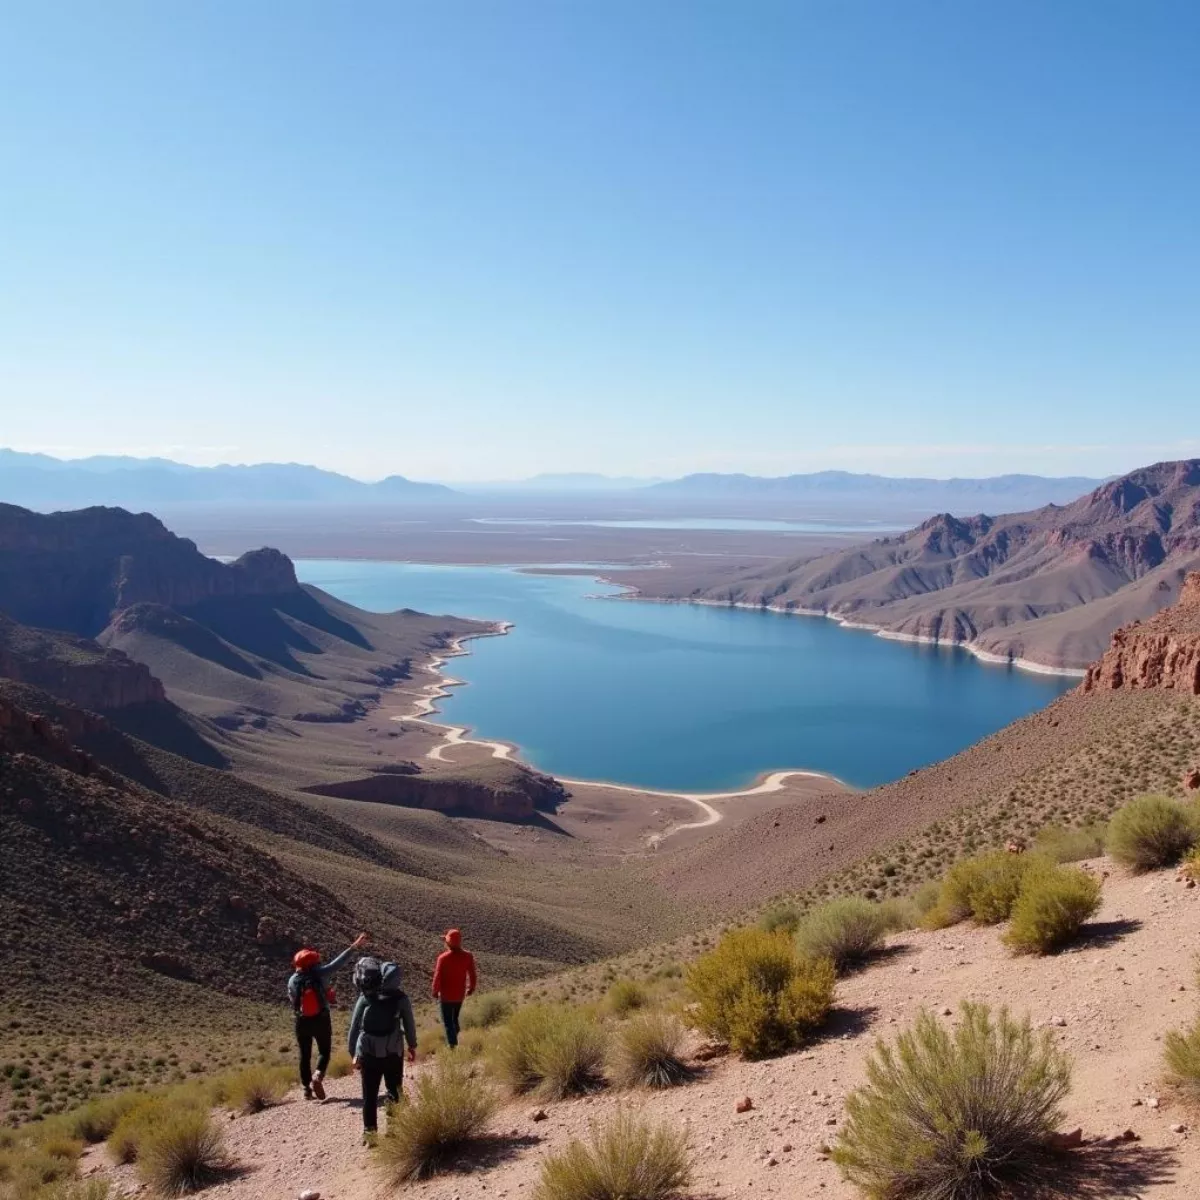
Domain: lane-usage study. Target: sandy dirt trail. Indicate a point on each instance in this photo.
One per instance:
(1108, 1002)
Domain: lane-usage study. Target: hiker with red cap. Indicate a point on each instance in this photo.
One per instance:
(311, 997)
(454, 979)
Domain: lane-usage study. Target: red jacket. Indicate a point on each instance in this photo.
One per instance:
(454, 976)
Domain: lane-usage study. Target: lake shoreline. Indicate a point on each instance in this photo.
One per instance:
(988, 657)
(425, 708)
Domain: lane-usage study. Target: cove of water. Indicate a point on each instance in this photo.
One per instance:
(740, 524)
(684, 697)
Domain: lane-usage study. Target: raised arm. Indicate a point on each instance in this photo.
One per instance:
(331, 966)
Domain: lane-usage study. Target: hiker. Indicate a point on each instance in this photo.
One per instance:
(310, 997)
(382, 1023)
(454, 979)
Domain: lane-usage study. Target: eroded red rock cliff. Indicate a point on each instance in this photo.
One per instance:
(1163, 652)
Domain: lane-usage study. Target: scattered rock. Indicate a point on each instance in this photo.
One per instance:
(539, 1115)
(820, 820)
(1066, 1141)
(947, 1011)
(1153, 1102)
(744, 1105)
(1058, 1022)
(309, 1194)
(831, 1120)
(1179, 1128)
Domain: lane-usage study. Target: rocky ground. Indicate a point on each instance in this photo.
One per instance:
(1108, 1002)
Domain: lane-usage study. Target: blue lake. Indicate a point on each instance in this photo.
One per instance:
(741, 524)
(688, 697)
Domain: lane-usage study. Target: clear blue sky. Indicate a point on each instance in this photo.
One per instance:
(478, 240)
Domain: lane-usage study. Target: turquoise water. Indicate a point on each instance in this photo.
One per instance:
(744, 524)
(687, 697)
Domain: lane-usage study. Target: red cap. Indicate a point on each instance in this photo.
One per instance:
(303, 959)
(453, 939)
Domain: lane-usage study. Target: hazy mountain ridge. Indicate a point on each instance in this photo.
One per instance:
(39, 481)
(1049, 585)
(1033, 490)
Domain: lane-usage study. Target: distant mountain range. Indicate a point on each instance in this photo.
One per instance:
(39, 481)
(42, 482)
(1049, 585)
(959, 494)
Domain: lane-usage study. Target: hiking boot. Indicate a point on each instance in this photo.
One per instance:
(308, 1093)
(393, 1097)
(370, 1137)
(318, 1088)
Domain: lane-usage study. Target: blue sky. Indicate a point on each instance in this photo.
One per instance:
(479, 240)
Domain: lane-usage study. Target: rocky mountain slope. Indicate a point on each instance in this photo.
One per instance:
(1048, 586)
(239, 643)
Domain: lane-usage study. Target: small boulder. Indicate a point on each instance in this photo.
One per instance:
(1066, 1141)
(539, 1115)
(744, 1105)
(309, 1194)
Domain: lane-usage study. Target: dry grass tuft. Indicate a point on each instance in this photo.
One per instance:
(624, 1159)
(184, 1153)
(649, 1052)
(557, 1049)
(847, 931)
(448, 1109)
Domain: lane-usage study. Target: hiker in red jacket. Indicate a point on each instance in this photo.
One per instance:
(454, 979)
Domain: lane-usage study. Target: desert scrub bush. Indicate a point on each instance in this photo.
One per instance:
(1051, 908)
(557, 1049)
(183, 1153)
(447, 1109)
(1191, 864)
(139, 1121)
(255, 1088)
(1063, 844)
(626, 1158)
(961, 1115)
(486, 1011)
(626, 996)
(649, 1052)
(784, 918)
(983, 888)
(756, 992)
(95, 1120)
(1151, 832)
(847, 931)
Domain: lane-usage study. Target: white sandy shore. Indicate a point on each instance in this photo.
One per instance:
(456, 735)
(985, 656)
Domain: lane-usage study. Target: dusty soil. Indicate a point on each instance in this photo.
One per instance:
(1108, 1002)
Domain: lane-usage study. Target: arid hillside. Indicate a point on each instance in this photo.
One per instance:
(1049, 586)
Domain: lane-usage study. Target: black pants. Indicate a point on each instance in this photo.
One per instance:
(450, 1014)
(391, 1071)
(308, 1030)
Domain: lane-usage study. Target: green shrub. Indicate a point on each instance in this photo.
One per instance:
(1151, 832)
(925, 898)
(783, 919)
(1191, 864)
(626, 996)
(557, 1049)
(183, 1153)
(847, 931)
(1053, 905)
(448, 1108)
(900, 914)
(132, 1127)
(649, 1052)
(1181, 1052)
(984, 889)
(486, 1011)
(756, 992)
(961, 1115)
(1070, 844)
(624, 1159)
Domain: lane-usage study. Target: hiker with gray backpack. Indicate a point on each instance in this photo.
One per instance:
(381, 1025)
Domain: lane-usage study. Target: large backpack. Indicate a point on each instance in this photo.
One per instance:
(311, 1000)
(381, 1014)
